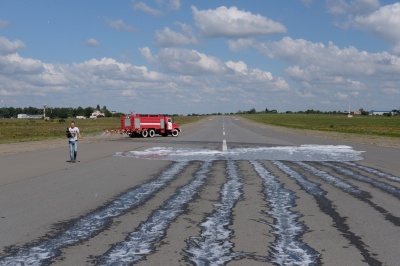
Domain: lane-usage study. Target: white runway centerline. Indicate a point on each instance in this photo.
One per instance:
(224, 147)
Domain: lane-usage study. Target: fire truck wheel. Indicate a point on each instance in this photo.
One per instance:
(145, 134)
(175, 133)
(151, 133)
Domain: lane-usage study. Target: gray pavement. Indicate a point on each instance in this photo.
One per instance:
(267, 198)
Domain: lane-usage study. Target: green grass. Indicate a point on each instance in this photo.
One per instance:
(364, 125)
(23, 130)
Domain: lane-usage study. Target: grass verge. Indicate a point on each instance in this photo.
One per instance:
(362, 125)
(24, 130)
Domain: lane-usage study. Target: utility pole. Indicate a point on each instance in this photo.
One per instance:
(349, 115)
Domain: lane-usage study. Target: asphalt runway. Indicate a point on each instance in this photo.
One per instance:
(224, 192)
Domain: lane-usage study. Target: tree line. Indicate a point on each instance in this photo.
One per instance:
(55, 112)
(312, 111)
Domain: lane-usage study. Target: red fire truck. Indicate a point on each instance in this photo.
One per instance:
(145, 125)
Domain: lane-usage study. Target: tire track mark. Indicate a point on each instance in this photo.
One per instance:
(374, 171)
(352, 190)
(327, 207)
(287, 248)
(213, 246)
(141, 242)
(92, 224)
(394, 191)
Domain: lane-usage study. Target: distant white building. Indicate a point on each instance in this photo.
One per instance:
(30, 116)
(96, 114)
(373, 112)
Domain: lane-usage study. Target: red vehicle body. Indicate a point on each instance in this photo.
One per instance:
(144, 125)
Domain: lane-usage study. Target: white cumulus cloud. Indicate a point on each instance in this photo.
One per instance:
(174, 4)
(320, 69)
(240, 44)
(234, 23)
(169, 38)
(383, 23)
(91, 42)
(353, 7)
(120, 25)
(145, 8)
(190, 62)
(10, 47)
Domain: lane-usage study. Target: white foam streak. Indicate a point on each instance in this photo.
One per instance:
(281, 153)
(213, 246)
(375, 172)
(287, 248)
(333, 180)
(378, 184)
(141, 242)
(91, 224)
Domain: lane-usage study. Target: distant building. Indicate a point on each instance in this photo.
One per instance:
(96, 114)
(80, 117)
(352, 112)
(30, 116)
(373, 112)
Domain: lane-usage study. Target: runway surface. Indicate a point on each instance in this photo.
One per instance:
(224, 192)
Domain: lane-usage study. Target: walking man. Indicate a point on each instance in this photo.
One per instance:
(73, 141)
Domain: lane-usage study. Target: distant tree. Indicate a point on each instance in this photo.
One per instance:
(18, 110)
(4, 112)
(252, 111)
(266, 110)
(363, 112)
(31, 110)
(80, 111)
(98, 107)
(51, 113)
(390, 114)
(62, 113)
(88, 111)
(119, 114)
(73, 112)
(12, 112)
(107, 113)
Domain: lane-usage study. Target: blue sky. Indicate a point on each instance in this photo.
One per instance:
(172, 56)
